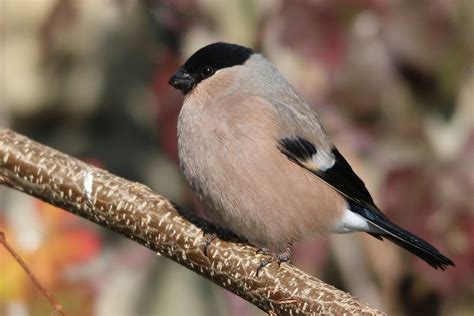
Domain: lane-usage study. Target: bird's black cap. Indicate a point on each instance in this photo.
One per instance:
(207, 60)
(218, 55)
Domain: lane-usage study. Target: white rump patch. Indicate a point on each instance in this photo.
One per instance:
(323, 159)
(351, 222)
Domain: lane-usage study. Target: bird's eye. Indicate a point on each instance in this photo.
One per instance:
(207, 71)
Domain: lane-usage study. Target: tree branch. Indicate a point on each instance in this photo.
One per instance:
(133, 210)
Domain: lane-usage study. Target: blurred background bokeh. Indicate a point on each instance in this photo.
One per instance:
(393, 80)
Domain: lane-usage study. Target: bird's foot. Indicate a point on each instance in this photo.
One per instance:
(209, 237)
(219, 233)
(273, 257)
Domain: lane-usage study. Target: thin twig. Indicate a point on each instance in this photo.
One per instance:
(56, 306)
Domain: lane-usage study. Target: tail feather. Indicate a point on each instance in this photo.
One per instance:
(418, 247)
(403, 238)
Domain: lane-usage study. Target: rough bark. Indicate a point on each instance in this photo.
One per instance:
(133, 210)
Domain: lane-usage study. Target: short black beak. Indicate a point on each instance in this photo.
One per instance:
(182, 80)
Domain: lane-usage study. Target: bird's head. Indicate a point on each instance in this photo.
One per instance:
(207, 61)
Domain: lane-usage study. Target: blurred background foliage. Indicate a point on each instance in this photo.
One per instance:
(393, 80)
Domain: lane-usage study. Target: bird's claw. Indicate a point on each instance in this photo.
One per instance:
(278, 258)
(263, 251)
(209, 239)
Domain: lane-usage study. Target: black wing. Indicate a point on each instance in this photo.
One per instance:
(340, 176)
(343, 179)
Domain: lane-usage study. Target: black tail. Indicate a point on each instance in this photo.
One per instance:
(403, 238)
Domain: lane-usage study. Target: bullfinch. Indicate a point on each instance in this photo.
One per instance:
(255, 153)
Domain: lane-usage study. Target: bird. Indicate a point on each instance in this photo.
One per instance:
(258, 157)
